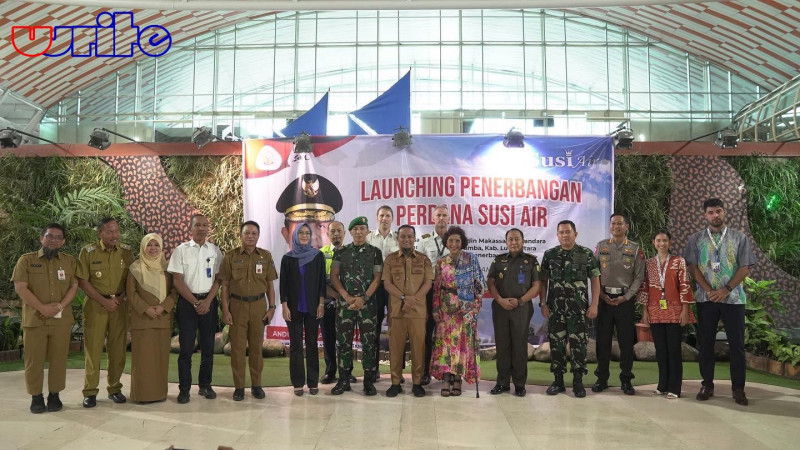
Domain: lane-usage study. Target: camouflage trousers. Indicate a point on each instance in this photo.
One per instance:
(567, 324)
(346, 321)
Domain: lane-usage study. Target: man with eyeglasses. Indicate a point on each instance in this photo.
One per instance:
(45, 281)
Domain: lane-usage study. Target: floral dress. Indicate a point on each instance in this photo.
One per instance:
(457, 290)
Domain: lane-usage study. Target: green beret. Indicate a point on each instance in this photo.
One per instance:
(361, 220)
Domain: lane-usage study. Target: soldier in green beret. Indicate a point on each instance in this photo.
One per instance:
(564, 301)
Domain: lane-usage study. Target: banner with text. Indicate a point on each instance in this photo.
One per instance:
(487, 187)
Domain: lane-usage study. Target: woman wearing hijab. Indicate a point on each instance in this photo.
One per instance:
(149, 293)
(302, 289)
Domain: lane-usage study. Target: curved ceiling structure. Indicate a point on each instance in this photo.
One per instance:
(753, 38)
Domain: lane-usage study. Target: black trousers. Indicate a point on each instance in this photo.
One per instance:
(328, 325)
(623, 318)
(192, 325)
(511, 337)
(430, 326)
(732, 316)
(667, 339)
(382, 300)
(298, 374)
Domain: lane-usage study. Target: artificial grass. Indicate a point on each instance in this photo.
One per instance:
(276, 371)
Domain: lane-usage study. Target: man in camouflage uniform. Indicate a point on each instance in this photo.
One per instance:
(564, 302)
(356, 274)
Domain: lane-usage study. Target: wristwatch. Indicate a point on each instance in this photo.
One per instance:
(271, 307)
(730, 289)
(402, 298)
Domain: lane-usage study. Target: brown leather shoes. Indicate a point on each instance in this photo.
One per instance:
(706, 393)
(739, 397)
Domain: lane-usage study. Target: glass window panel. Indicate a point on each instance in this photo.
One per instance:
(472, 68)
(700, 102)
(253, 69)
(554, 28)
(556, 100)
(419, 29)
(698, 77)
(285, 29)
(471, 29)
(503, 69)
(367, 76)
(586, 68)
(147, 77)
(425, 63)
(719, 80)
(451, 100)
(204, 73)
(226, 37)
(306, 69)
(638, 69)
(741, 100)
(556, 64)
(125, 105)
(533, 27)
(336, 67)
(671, 67)
(260, 33)
(787, 98)
(97, 105)
(451, 29)
(307, 30)
(741, 86)
(534, 73)
(615, 57)
(367, 28)
(669, 101)
(472, 100)
(720, 102)
(535, 100)
(284, 72)
(225, 70)
(387, 29)
(388, 72)
(502, 29)
(584, 30)
(616, 100)
(337, 30)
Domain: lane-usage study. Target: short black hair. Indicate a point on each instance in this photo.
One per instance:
(624, 217)
(56, 226)
(662, 231)
(195, 216)
(413, 230)
(104, 221)
(521, 234)
(458, 231)
(713, 203)
(567, 222)
(250, 222)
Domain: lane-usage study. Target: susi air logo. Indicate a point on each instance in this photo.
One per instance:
(114, 36)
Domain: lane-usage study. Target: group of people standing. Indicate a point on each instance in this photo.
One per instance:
(433, 295)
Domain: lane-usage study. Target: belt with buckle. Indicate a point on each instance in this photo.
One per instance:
(112, 295)
(200, 296)
(614, 291)
(251, 298)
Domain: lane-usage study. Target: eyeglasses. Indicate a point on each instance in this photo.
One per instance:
(54, 237)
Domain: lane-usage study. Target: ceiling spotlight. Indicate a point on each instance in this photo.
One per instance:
(302, 143)
(623, 139)
(727, 138)
(99, 138)
(202, 136)
(401, 138)
(514, 138)
(12, 138)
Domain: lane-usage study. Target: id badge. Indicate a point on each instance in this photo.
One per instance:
(62, 275)
(521, 277)
(259, 268)
(663, 303)
(58, 315)
(715, 266)
(208, 272)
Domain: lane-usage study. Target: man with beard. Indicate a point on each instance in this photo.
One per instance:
(194, 266)
(434, 248)
(719, 259)
(102, 273)
(45, 281)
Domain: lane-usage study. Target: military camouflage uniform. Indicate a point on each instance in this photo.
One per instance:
(568, 272)
(357, 267)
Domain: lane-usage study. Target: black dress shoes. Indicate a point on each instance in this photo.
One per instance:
(499, 389)
(739, 397)
(417, 390)
(705, 393)
(426, 379)
(327, 379)
(53, 402)
(183, 397)
(257, 392)
(627, 388)
(37, 404)
(207, 392)
(599, 386)
(117, 397)
(394, 390)
(238, 394)
(520, 391)
(90, 401)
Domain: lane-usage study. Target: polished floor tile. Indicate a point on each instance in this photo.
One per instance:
(354, 421)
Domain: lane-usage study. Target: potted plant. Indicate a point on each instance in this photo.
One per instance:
(643, 333)
(10, 334)
(76, 333)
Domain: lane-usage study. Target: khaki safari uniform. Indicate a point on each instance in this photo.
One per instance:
(106, 269)
(408, 274)
(248, 276)
(46, 339)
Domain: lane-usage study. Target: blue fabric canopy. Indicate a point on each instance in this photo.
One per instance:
(390, 110)
(313, 122)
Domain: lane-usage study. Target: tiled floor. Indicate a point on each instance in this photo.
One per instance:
(607, 420)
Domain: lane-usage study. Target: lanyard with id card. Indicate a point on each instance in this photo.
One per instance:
(716, 263)
(62, 276)
(208, 267)
(259, 268)
(662, 277)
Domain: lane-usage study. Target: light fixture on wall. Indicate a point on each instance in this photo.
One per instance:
(99, 138)
(623, 136)
(202, 136)
(302, 143)
(401, 138)
(12, 137)
(514, 138)
(727, 138)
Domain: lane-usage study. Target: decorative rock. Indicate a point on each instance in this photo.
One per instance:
(689, 353)
(644, 351)
(174, 344)
(226, 349)
(531, 350)
(591, 351)
(488, 354)
(614, 350)
(722, 351)
(542, 352)
(272, 348)
(220, 339)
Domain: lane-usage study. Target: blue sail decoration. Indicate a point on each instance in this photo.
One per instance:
(313, 122)
(383, 115)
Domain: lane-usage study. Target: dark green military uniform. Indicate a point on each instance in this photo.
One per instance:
(357, 267)
(513, 276)
(568, 272)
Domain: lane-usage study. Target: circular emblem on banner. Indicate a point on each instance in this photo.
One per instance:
(268, 158)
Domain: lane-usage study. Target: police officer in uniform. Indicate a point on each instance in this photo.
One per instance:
(45, 281)
(102, 273)
(247, 274)
(311, 199)
(621, 274)
(434, 248)
(356, 274)
(564, 302)
(513, 282)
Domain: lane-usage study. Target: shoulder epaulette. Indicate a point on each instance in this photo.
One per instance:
(124, 246)
(89, 248)
(426, 236)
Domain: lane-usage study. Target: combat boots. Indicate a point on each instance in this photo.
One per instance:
(557, 386)
(343, 384)
(577, 385)
(369, 386)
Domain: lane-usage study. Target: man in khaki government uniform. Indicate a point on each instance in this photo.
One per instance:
(46, 283)
(407, 277)
(247, 273)
(621, 275)
(102, 272)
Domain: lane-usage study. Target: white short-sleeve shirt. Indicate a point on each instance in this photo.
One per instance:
(199, 264)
